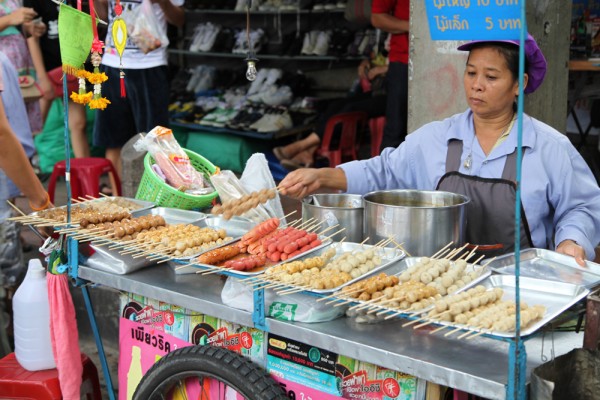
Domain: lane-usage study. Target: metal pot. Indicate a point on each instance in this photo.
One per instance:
(424, 221)
(334, 208)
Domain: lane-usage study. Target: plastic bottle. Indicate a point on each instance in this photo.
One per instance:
(33, 347)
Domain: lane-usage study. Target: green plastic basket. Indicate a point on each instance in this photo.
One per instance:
(152, 188)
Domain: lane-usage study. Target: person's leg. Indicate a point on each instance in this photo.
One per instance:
(45, 105)
(77, 125)
(293, 149)
(397, 105)
(115, 125)
(306, 157)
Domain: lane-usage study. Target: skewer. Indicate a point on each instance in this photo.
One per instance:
(399, 246)
(472, 253)
(459, 250)
(38, 233)
(482, 332)
(287, 215)
(452, 332)
(441, 328)
(477, 261)
(487, 263)
(328, 229)
(363, 242)
(442, 255)
(330, 236)
(424, 324)
(414, 321)
(442, 249)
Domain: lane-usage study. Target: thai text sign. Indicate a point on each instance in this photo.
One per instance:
(473, 19)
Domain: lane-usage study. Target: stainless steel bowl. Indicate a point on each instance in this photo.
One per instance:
(424, 221)
(344, 210)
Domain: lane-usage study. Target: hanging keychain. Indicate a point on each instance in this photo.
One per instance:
(119, 35)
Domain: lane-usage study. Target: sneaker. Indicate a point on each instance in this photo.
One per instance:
(277, 96)
(209, 38)
(322, 44)
(198, 37)
(319, 6)
(330, 5)
(310, 39)
(257, 84)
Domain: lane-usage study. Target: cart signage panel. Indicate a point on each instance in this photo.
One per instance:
(473, 19)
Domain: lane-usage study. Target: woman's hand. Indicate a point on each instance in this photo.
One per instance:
(300, 183)
(38, 28)
(47, 87)
(22, 15)
(571, 248)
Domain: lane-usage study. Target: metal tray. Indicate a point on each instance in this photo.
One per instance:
(549, 265)
(398, 267)
(388, 257)
(257, 271)
(143, 204)
(173, 215)
(557, 297)
(235, 227)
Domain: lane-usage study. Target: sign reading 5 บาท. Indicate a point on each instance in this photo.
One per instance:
(473, 19)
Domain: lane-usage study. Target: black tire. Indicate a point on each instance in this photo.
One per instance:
(234, 370)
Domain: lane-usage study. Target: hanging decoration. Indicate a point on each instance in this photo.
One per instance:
(119, 35)
(96, 78)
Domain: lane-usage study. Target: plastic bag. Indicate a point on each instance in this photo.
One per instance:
(293, 307)
(174, 163)
(256, 176)
(147, 32)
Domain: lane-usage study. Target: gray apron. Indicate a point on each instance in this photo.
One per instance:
(491, 211)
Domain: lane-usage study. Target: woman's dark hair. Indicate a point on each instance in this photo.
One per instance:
(509, 51)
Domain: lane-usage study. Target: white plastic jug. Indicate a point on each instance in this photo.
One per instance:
(33, 348)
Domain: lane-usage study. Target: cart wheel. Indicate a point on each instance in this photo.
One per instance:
(217, 371)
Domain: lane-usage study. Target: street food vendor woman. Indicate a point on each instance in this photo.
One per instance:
(474, 153)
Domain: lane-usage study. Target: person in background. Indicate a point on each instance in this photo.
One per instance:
(45, 52)
(13, 18)
(146, 82)
(13, 160)
(392, 16)
(367, 95)
(474, 153)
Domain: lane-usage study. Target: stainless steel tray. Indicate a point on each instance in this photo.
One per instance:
(388, 257)
(235, 227)
(173, 215)
(142, 204)
(557, 297)
(398, 267)
(549, 265)
(256, 271)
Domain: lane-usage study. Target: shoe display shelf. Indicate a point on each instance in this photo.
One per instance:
(296, 130)
(259, 12)
(264, 56)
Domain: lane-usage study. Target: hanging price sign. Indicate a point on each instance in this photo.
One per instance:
(473, 19)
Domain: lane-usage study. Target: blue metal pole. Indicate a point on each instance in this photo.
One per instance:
(258, 315)
(99, 346)
(518, 355)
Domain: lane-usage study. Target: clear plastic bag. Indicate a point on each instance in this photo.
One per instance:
(256, 176)
(147, 32)
(173, 161)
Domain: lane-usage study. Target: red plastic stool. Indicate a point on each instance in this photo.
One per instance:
(85, 176)
(18, 383)
(376, 126)
(352, 126)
